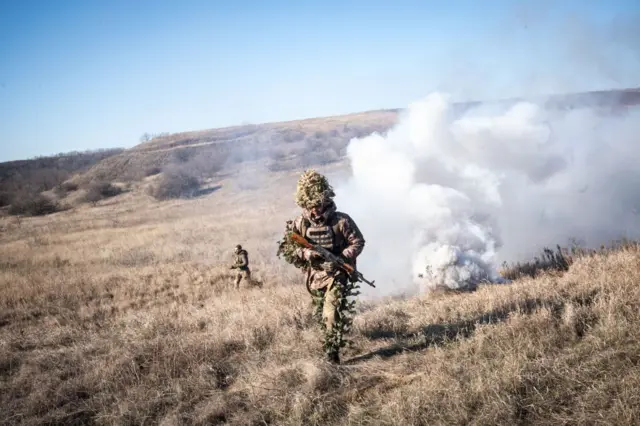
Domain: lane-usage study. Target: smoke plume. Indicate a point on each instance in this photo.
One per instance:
(444, 198)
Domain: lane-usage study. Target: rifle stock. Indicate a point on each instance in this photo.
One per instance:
(328, 256)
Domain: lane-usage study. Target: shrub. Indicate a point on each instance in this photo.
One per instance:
(204, 164)
(292, 135)
(65, 187)
(174, 183)
(153, 170)
(182, 155)
(69, 186)
(549, 260)
(33, 205)
(101, 190)
(278, 160)
(5, 198)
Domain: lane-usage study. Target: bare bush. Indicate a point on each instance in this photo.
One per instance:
(561, 259)
(205, 164)
(175, 182)
(153, 170)
(64, 188)
(182, 155)
(98, 191)
(146, 137)
(100, 327)
(319, 156)
(292, 135)
(5, 198)
(47, 173)
(33, 205)
(278, 160)
(547, 261)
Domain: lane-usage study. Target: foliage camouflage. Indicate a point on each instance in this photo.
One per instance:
(334, 339)
(313, 189)
(287, 249)
(317, 300)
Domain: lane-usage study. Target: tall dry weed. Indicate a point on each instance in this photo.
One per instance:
(126, 314)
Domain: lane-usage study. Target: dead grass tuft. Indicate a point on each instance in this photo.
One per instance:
(126, 314)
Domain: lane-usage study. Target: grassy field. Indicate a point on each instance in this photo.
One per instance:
(124, 313)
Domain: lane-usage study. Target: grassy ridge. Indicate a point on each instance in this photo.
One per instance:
(125, 314)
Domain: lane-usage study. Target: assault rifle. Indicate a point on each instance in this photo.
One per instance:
(330, 257)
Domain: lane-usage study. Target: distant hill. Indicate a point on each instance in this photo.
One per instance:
(292, 145)
(285, 131)
(24, 178)
(608, 100)
(278, 146)
(283, 145)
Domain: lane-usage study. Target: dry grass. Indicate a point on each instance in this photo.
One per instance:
(383, 118)
(125, 314)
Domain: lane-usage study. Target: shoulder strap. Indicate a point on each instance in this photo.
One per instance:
(338, 238)
(336, 226)
(304, 225)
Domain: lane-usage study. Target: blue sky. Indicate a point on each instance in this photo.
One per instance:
(78, 75)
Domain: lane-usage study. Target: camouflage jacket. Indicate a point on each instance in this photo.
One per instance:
(241, 260)
(348, 241)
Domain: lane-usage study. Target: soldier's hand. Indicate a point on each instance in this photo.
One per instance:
(329, 267)
(348, 255)
(312, 255)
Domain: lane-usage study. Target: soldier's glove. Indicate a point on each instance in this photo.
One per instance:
(348, 255)
(311, 255)
(329, 267)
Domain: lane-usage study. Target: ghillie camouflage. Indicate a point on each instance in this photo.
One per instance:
(335, 327)
(329, 285)
(313, 190)
(289, 250)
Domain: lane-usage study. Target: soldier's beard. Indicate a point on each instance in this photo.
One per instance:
(315, 218)
(323, 216)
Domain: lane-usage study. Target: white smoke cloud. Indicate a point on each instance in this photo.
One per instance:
(444, 199)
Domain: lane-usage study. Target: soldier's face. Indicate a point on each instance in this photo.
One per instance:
(316, 211)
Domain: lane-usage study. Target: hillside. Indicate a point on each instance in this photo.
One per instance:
(292, 145)
(285, 131)
(50, 184)
(125, 314)
(27, 178)
(277, 146)
(119, 307)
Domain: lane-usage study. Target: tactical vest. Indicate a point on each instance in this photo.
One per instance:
(326, 235)
(239, 259)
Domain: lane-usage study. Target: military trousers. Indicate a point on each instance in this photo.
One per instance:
(328, 292)
(331, 304)
(242, 274)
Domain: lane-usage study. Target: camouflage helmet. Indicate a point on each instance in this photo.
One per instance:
(313, 190)
(238, 247)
